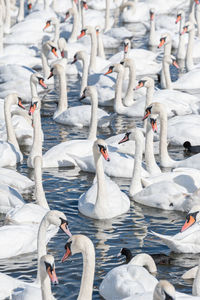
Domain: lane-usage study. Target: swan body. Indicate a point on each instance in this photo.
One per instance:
(130, 279)
(10, 198)
(104, 199)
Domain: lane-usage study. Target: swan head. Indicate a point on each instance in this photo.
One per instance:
(69, 13)
(90, 91)
(87, 30)
(115, 68)
(152, 14)
(77, 244)
(80, 55)
(133, 135)
(192, 217)
(170, 60)
(56, 70)
(154, 108)
(84, 4)
(52, 21)
(164, 290)
(165, 39)
(47, 266)
(35, 105)
(14, 99)
(29, 5)
(49, 46)
(37, 78)
(189, 26)
(58, 219)
(145, 82)
(152, 124)
(62, 45)
(127, 45)
(180, 14)
(100, 148)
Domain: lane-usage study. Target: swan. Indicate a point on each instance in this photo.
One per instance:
(132, 11)
(144, 59)
(103, 200)
(82, 244)
(186, 102)
(130, 279)
(74, 116)
(10, 152)
(181, 45)
(186, 241)
(191, 149)
(62, 154)
(42, 290)
(48, 47)
(95, 64)
(174, 183)
(31, 213)
(10, 198)
(36, 149)
(179, 135)
(29, 239)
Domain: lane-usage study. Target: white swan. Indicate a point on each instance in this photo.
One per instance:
(29, 239)
(31, 213)
(82, 244)
(10, 152)
(130, 279)
(103, 200)
(186, 241)
(35, 290)
(62, 154)
(77, 115)
(182, 131)
(134, 11)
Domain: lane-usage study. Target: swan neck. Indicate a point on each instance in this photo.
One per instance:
(11, 137)
(152, 33)
(63, 101)
(84, 81)
(151, 164)
(181, 44)
(87, 279)
(93, 120)
(118, 106)
(82, 17)
(196, 283)
(57, 32)
(1, 30)
(136, 185)
(107, 16)
(33, 89)
(74, 34)
(101, 52)
(39, 191)
(92, 66)
(189, 58)
(46, 289)
(128, 100)
(20, 16)
(46, 68)
(7, 22)
(168, 48)
(167, 76)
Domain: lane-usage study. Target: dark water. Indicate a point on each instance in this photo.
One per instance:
(63, 188)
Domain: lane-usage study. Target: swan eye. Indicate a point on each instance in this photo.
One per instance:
(48, 266)
(194, 215)
(63, 221)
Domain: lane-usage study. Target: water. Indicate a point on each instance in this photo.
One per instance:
(63, 188)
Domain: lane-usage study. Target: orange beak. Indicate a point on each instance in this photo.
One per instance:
(188, 223)
(178, 19)
(175, 64)
(125, 139)
(66, 255)
(62, 54)
(29, 6)
(85, 5)
(161, 43)
(82, 34)
(125, 48)
(140, 85)
(50, 75)
(20, 103)
(32, 109)
(52, 275)
(54, 52)
(105, 154)
(151, 16)
(197, 1)
(46, 26)
(146, 116)
(184, 30)
(154, 126)
(43, 84)
(65, 229)
(108, 72)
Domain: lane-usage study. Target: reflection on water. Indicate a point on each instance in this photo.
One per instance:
(63, 188)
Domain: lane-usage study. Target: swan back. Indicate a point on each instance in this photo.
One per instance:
(164, 290)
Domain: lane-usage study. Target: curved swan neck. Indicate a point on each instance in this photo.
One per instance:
(144, 260)
(196, 283)
(39, 191)
(7, 21)
(84, 81)
(101, 52)
(93, 120)
(74, 34)
(92, 66)
(107, 16)
(11, 137)
(118, 106)
(151, 164)
(136, 185)
(128, 99)
(101, 200)
(189, 57)
(63, 101)
(87, 279)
